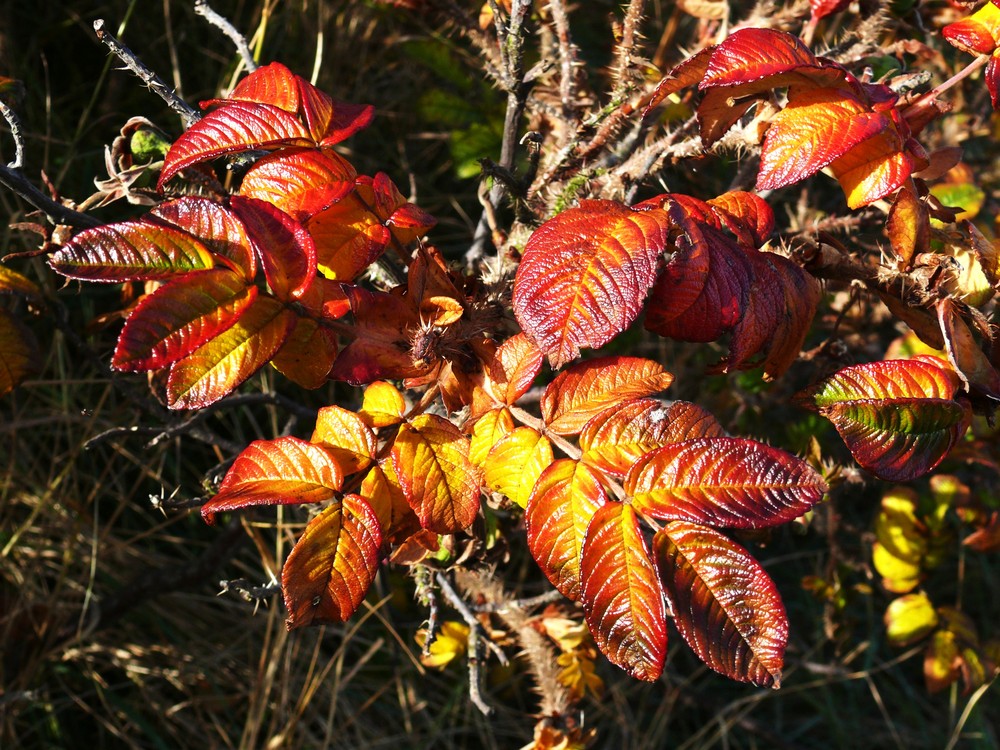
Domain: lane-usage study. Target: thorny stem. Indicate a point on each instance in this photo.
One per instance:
(567, 58)
(56, 212)
(202, 8)
(520, 604)
(633, 15)
(927, 99)
(147, 76)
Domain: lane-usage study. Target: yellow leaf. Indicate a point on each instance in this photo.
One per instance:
(568, 634)
(487, 432)
(515, 463)
(577, 674)
(909, 618)
(941, 661)
(383, 405)
(451, 641)
(901, 543)
(346, 437)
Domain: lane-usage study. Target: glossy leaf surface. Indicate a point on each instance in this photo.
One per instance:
(431, 459)
(615, 439)
(584, 276)
(299, 182)
(898, 418)
(283, 471)
(724, 604)
(588, 388)
(382, 405)
(130, 251)
(516, 365)
(560, 508)
(331, 567)
(215, 225)
(218, 367)
(723, 481)
(622, 599)
(181, 316)
(285, 248)
(346, 437)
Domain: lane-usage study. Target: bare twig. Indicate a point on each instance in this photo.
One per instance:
(477, 638)
(156, 84)
(202, 8)
(56, 212)
(248, 592)
(523, 605)
(15, 130)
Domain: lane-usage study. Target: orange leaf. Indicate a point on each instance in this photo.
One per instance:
(724, 604)
(816, 127)
(331, 567)
(514, 368)
(559, 510)
(218, 367)
(873, 170)
(300, 182)
(585, 274)
(381, 489)
(515, 463)
(307, 354)
(283, 471)
(215, 225)
(346, 437)
(747, 215)
(618, 437)
(908, 227)
(723, 481)
(588, 388)
(431, 458)
(622, 598)
(20, 357)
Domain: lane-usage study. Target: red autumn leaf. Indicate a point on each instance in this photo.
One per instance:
(979, 33)
(285, 248)
(724, 604)
(20, 356)
(431, 459)
(687, 73)
(585, 274)
(749, 55)
(899, 418)
(617, 437)
(215, 225)
(622, 598)
(816, 127)
(300, 182)
(221, 365)
(180, 316)
(588, 388)
(283, 471)
(723, 481)
(723, 294)
(560, 508)
(746, 215)
(329, 570)
(238, 126)
(823, 8)
(801, 295)
(131, 251)
(992, 77)
(514, 368)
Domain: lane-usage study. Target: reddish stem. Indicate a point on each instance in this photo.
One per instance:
(926, 100)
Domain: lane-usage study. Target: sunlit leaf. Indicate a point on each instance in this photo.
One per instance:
(431, 458)
(816, 127)
(978, 33)
(218, 367)
(560, 508)
(970, 362)
(909, 618)
(285, 248)
(908, 226)
(585, 274)
(622, 599)
(515, 463)
(823, 8)
(488, 430)
(616, 438)
(11, 282)
(514, 368)
(451, 640)
(381, 489)
(130, 251)
(20, 356)
(299, 182)
(382, 405)
(215, 225)
(238, 126)
(745, 213)
(723, 481)
(180, 316)
(283, 471)
(898, 418)
(588, 388)
(753, 54)
(942, 661)
(329, 570)
(346, 437)
(873, 170)
(901, 544)
(724, 604)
